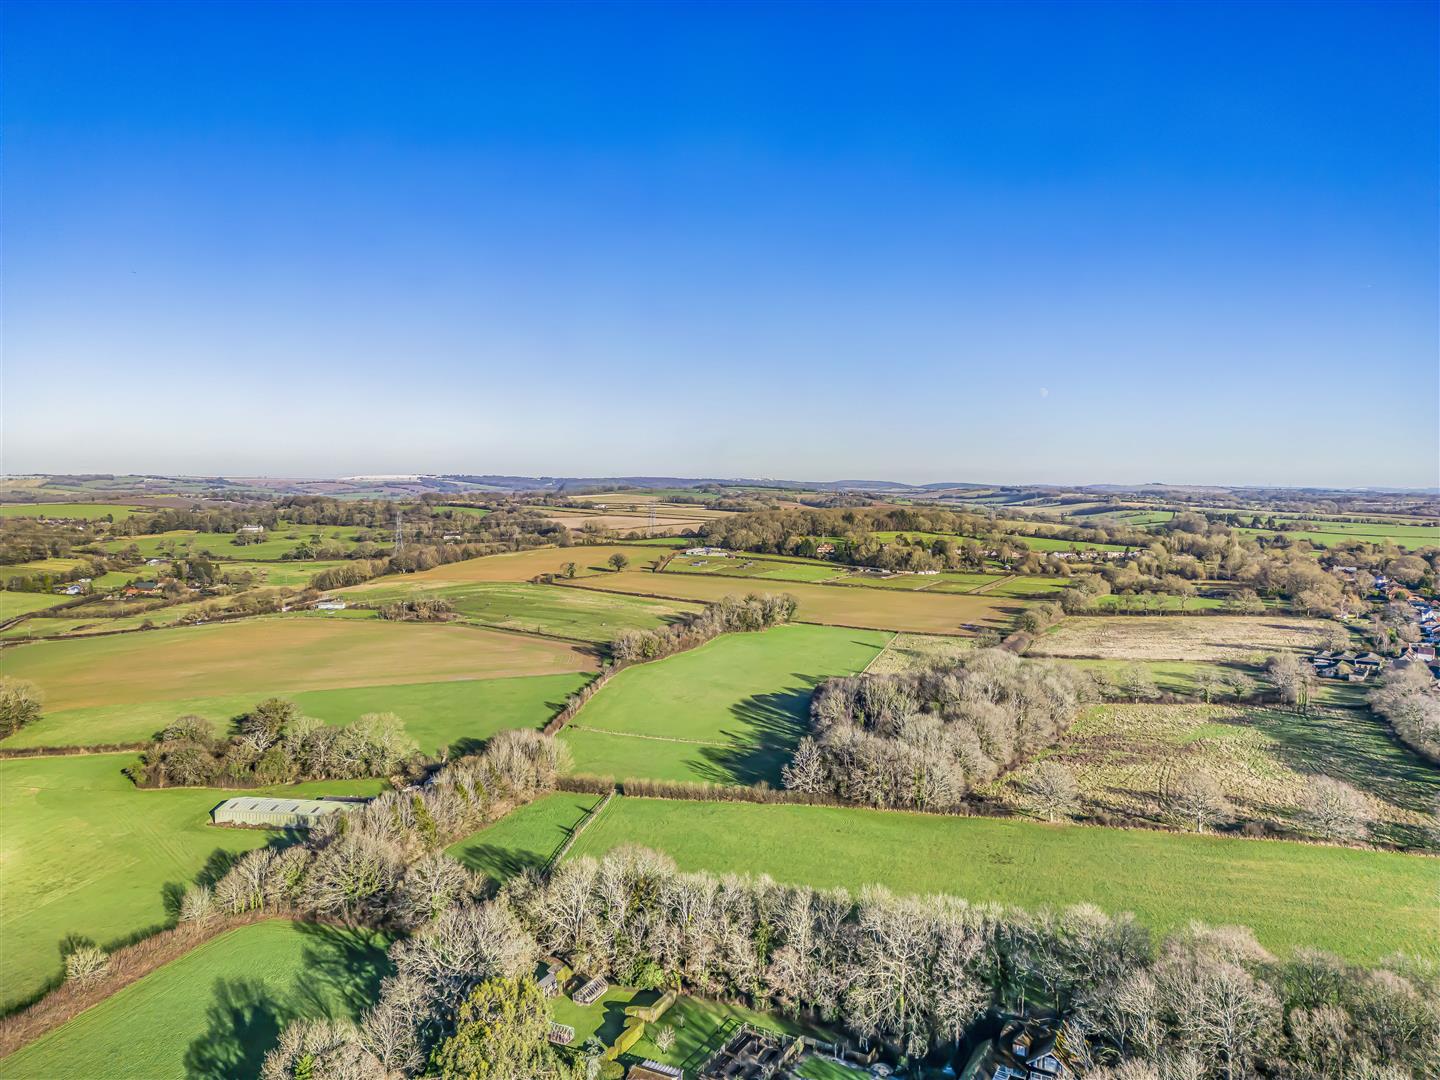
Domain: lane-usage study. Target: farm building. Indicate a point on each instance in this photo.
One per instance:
(279, 813)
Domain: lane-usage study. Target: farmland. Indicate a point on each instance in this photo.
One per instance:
(277, 655)
(125, 853)
(590, 561)
(273, 545)
(217, 1010)
(1264, 760)
(458, 713)
(526, 839)
(727, 712)
(541, 609)
(1331, 533)
(13, 604)
(1375, 902)
(745, 567)
(82, 511)
(878, 609)
(1202, 637)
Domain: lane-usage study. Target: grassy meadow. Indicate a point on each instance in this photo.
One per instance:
(1264, 758)
(458, 713)
(216, 1011)
(88, 854)
(1360, 904)
(579, 614)
(271, 656)
(15, 604)
(525, 839)
(1236, 638)
(729, 712)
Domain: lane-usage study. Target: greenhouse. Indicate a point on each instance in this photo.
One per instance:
(280, 813)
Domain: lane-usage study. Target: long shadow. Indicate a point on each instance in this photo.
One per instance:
(1353, 745)
(342, 967)
(499, 863)
(243, 1022)
(767, 728)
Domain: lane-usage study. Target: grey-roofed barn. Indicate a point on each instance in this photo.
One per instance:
(279, 813)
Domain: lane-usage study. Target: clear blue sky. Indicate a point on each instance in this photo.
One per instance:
(1072, 243)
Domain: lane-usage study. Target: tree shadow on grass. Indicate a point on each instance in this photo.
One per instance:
(768, 726)
(499, 863)
(1355, 746)
(342, 967)
(243, 1021)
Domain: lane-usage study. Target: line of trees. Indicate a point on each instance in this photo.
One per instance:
(274, 744)
(1408, 699)
(922, 740)
(912, 972)
(731, 614)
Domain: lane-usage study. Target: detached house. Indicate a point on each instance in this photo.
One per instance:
(1024, 1050)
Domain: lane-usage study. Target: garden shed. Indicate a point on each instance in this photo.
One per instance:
(280, 813)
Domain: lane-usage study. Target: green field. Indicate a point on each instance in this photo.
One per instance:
(1030, 588)
(526, 839)
(80, 511)
(1331, 533)
(454, 713)
(41, 566)
(728, 712)
(1360, 904)
(276, 544)
(87, 853)
(542, 609)
(74, 621)
(217, 1010)
(13, 604)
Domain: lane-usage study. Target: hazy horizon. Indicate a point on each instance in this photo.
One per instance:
(1080, 243)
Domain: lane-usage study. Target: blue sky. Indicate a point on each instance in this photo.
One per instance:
(1016, 243)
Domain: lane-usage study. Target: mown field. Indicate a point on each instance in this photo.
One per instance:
(86, 853)
(729, 712)
(1358, 903)
(275, 656)
(216, 1011)
(1176, 637)
(875, 609)
(1264, 759)
(458, 713)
